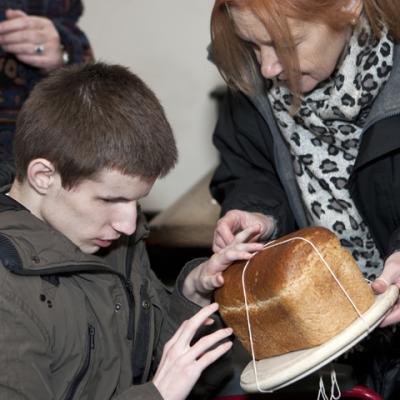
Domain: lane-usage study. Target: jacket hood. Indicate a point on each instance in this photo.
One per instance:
(386, 105)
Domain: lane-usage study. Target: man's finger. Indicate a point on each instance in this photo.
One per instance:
(194, 323)
(212, 355)
(251, 233)
(206, 342)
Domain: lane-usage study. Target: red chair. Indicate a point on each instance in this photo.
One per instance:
(357, 392)
(362, 392)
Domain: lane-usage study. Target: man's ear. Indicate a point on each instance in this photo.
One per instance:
(41, 175)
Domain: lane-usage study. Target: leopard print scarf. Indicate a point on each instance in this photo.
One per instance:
(324, 138)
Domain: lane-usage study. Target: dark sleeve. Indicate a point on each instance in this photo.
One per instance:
(394, 243)
(375, 183)
(75, 42)
(246, 178)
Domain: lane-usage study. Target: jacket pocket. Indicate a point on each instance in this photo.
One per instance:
(85, 366)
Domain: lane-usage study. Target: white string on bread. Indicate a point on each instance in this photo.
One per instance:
(334, 383)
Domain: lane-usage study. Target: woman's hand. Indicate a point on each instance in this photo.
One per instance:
(34, 40)
(390, 276)
(235, 221)
(201, 282)
(182, 362)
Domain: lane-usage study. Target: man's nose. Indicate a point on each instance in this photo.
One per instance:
(124, 219)
(270, 65)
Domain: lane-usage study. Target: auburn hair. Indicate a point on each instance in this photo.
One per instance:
(235, 58)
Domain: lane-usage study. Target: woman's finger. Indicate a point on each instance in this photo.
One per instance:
(225, 232)
(393, 317)
(219, 242)
(390, 274)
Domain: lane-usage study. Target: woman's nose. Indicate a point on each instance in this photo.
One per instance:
(270, 65)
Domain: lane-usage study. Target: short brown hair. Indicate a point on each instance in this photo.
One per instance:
(235, 59)
(85, 118)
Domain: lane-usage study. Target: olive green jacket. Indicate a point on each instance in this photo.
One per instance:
(78, 326)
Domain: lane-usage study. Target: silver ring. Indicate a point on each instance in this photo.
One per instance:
(39, 49)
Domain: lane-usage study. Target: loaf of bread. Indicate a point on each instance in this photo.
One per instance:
(294, 301)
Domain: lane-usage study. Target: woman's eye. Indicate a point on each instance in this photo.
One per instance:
(252, 45)
(255, 47)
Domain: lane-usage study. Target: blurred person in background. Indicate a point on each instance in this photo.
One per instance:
(36, 37)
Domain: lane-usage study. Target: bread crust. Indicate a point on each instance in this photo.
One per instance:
(294, 301)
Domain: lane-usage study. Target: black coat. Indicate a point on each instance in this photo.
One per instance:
(247, 177)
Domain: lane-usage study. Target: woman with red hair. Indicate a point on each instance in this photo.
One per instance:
(308, 132)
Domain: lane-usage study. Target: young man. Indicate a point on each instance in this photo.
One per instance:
(82, 316)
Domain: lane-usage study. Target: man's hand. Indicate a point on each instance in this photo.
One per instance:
(182, 362)
(390, 276)
(203, 280)
(235, 221)
(34, 40)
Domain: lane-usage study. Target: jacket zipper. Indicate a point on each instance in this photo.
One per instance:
(131, 298)
(129, 288)
(82, 372)
(129, 291)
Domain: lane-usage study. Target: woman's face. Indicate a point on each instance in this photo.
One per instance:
(318, 47)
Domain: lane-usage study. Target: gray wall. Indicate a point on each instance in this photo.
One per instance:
(164, 42)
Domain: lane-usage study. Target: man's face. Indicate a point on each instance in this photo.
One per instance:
(318, 48)
(97, 211)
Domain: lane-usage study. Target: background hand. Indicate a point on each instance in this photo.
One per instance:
(235, 221)
(23, 35)
(182, 363)
(389, 276)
